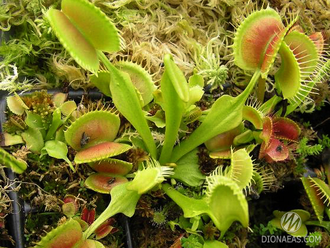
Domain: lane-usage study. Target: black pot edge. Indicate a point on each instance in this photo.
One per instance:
(16, 219)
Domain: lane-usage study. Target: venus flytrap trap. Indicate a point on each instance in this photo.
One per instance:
(224, 201)
(125, 196)
(318, 193)
(72, 28)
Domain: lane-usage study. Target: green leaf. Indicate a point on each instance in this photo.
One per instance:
(158, 119)
(288, 77)
(195, 94)
(140, 78)
(196, 80)
(122, 201)
(59, 99)
(56, 123)
(33, 139)
(177, 78)
(187, 170)
(9, 140)
(16, 104)
(35, 121)
(174, 109)
(102, 81)
(241, 168)
(193, 241)
(73, 41)
(127, 102)
(59, 150)
(253, 115)
(226, 202)
(68, 107)
(94, 25)
(8, 160)
(214, 244)
(149, 177)
(191, 207)
(225, 114)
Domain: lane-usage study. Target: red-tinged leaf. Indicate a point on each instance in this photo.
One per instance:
(73, 41)
(177, 242)
(67, 235)
(112, 166)
(92, 128)
(88, 215)
(255, 39)
(318, 41)
(106, 228)
(284, 128)
(93, 24)
(297, 28)
(103, 183)
(70, 206)
(267, 131)
(100, 152)
(276, 151)
(224, 141)
(262, 152)
(2, 220)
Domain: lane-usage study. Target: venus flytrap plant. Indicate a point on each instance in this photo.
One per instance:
(259, 38)
(303, 65)
(123, 200)
(71, 27)
(256, 43)
(39, 137)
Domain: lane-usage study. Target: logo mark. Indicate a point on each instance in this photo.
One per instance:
(290, 222)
